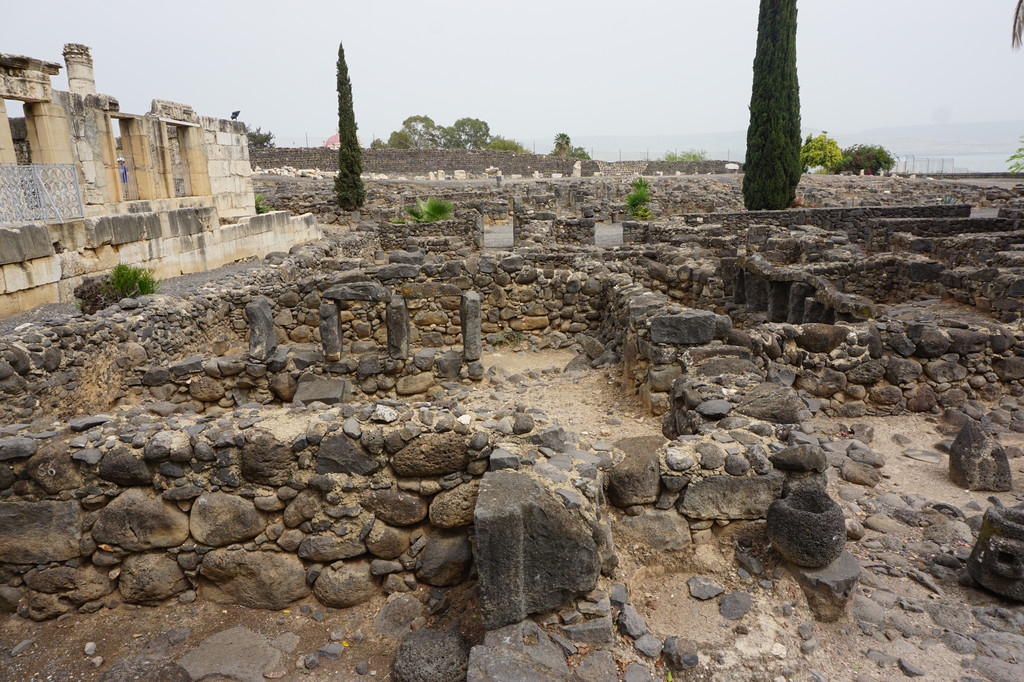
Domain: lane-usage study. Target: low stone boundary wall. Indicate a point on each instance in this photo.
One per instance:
(44, 263)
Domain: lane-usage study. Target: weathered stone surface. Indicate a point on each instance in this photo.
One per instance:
(358, 291)
(807, 528)
(259, 580)
(262, 339)
(338, 454)
(731, 497)
(470, 317)
(237, 654)
(138, 520)
(322, 390)
(39, 532)
(532, 554)
(431, 656)
(860, 473)
(690, 327)
(218, 519)
(822, 383)
(828, 590)
(345, 585)
(432, 454)
(266, 460)
(75, 585)
(148, 578)
(773, 403)
(663, 531)
(121, 466)
(502, 664)
(529, 638)
(454, 508)
(397, 322)
(412, 384)
(800, 458)
(396, 507)
(205, 389)
(821, 338)
(997, 559)
(327, 547)
(977, 461)
(17, 447)
(445, 558)
(54, 470)
(386, 542)
(635, 480)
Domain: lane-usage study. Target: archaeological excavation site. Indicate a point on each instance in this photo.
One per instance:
(541, 439)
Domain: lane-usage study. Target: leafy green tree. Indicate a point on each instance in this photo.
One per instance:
(866, 157)
(820, 151)
(686, 155)
(772, 167)
(1017, 160)
(563, 145)
(399, 140)
(578, 153)
(378, 144)
(259, 139)
(422, 133)
(506, 144)
(348, 185)
(467, 133)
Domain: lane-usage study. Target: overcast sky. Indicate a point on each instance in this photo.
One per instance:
(532, 69)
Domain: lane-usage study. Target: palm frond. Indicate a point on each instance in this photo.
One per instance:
(1018, 25)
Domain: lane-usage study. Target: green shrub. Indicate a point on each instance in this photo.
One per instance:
(129, 281)
(1017, 160)
(686, 155)
(262, 206)
(820, 152)
(636, 201)
(866, 157)
(430, 211)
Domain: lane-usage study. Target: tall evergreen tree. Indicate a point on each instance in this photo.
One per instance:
(772, 168)
(348, 185)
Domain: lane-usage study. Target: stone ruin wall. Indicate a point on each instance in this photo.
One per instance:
(410, 163)
(344, 501)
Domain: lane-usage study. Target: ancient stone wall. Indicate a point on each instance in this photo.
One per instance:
(43, 264)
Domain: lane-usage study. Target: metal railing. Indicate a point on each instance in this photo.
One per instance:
(39, 191)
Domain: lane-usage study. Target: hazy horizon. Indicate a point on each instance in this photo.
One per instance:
(593, 69)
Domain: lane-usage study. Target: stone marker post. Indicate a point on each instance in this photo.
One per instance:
(330, 332)
(397, 320)
(262, 339)
(472, 319)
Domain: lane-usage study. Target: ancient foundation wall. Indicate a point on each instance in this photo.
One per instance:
(44, 263)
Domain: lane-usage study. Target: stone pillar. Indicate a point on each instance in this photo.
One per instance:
(756, 292)
(778, 301)
(815, 311)
(262, 339)
(135, 142)
(330, 331)
(472, 318)
(397, 319)
(190, 145)
(48, 133)
(79, 62)
(798, 294)
(7, 154)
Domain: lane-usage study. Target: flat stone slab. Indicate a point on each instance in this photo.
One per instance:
(326, 391)
(929, 456)
(235, 654)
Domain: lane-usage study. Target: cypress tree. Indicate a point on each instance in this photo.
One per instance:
(348, 185)
(772, 168)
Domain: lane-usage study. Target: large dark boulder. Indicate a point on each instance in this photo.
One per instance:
(219, 519)
(138, 520)
(40, 532)
(532, 553)
(807, 528)
(258, 580)
(731, 497)
(432, 454)
(635, 480)
(265, 459)
(977, 461)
